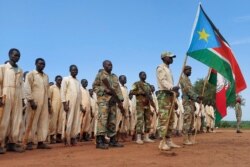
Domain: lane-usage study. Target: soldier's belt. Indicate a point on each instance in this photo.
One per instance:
(165, 92)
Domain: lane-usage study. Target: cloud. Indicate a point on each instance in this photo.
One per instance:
(241, 41)
(242, 19)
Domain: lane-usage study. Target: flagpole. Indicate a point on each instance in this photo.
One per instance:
(173, 102)
(202, 94)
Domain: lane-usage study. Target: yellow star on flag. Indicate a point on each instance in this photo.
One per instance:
(203, 35)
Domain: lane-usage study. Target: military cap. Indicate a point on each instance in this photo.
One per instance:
(167, 54)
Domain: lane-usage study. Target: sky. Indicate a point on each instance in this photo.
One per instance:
(130, 33)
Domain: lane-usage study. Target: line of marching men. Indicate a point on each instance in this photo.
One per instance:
(32, 112)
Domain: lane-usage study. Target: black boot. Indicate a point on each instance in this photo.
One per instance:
(114, 143)
(100, 142)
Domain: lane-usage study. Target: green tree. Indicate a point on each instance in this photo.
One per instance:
(209, 92)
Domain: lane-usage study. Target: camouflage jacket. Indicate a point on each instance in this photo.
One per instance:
(99, 86)
(187, 88)
(142, 91)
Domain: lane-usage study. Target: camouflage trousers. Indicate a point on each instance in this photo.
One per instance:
(238, 118)
(106, 120)
(164, 103)
(188, 118)
(143, 119)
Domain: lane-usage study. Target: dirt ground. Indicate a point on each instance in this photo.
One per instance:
(222, 149)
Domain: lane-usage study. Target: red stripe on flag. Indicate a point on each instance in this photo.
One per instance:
(226, 52)
(221, 102)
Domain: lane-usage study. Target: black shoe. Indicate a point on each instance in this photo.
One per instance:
(87, 137)
(2, 150)
(14, 148)
(238, 131)
(52, 139)
(59, 138)
(42, 145)
(100, 143)
(114, 143)
(73, 141)
(29, 146)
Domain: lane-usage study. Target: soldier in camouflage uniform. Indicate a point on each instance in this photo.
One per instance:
(189, 97)
(238, 113)
(107, 105)
(142, 91)
(165, 99)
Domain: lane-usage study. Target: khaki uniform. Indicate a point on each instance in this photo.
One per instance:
(71, 92)
(85, 121)
(56, 119)
(120, 118)
(106, 107)
(11, 86)
(37, 88)
(165, 98)
(180, 109)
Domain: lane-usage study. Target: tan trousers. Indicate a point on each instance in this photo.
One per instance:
(12, 116)
(85, 122)
(56, 118)
(197, 123)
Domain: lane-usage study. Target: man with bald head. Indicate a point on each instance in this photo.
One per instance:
(109, 94)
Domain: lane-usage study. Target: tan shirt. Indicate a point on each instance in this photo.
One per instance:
(55, 95)
(36, 86)
(70, 89)
(11, 78)
(86, 104)
(209, 111)
(124, 90)
(164, 77)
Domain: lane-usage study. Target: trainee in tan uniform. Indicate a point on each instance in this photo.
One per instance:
(36, 92)
(11, 93)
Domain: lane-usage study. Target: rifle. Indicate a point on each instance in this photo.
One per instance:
(2, 107)
(114, 97)
(148, 97)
